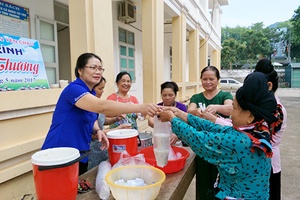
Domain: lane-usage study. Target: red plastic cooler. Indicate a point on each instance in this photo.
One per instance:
(55, 173)
(120, 140)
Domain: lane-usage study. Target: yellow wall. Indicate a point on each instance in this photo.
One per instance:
(25, 118)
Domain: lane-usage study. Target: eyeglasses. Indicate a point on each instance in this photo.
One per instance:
(94, 68)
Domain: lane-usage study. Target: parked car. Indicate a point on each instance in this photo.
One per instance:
(230, 84)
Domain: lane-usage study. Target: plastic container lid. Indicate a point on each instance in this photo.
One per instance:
(122, 134)
(54, 156)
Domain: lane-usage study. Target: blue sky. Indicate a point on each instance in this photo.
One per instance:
(248, 12)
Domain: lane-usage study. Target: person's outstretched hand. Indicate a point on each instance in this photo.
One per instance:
(173, 139)
(103, 139)
(150, 109)
(166, 116)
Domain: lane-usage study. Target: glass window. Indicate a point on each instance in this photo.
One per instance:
(51, 75)
(132, 74)
(131, 64)
(122, 35)
(127, 49)
(130, 52)
(123, 50)
(123, 63)
(130, 38)
(48, 31)
(48, 53)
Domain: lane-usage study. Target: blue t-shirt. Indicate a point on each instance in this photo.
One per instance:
(71, 126)
(243, 174)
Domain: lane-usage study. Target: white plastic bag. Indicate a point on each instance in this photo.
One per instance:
(102, 187)
(161, 141)
(127, 159)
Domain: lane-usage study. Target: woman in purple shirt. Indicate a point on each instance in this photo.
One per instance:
(168, 91)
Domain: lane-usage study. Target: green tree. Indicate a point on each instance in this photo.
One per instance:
(229, 53)
(295, 35)
(234, 33)
(256, 43)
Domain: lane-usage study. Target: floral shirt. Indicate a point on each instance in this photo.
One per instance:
(130, 118)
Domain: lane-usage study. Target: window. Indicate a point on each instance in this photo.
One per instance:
(127, 48)
(46, 34)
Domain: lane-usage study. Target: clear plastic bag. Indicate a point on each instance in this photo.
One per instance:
(102, 187)
(127, 159)
(161, 141)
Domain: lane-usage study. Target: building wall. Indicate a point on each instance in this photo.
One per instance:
(25, 116)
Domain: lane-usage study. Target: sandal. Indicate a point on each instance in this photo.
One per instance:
(84, 186)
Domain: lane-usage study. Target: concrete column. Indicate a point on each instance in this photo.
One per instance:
(194, 70)
(153, 48)
(216, 59)
(216, 17)
(179, 52)
(91, 30)
(203, 55)
(194, 55)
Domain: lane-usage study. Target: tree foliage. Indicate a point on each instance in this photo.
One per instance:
(230, 50)
(295, 35)
(243, 44)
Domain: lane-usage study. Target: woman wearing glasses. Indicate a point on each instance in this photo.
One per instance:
(75, 116)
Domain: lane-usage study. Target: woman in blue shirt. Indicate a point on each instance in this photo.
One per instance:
(75, 116)
(242, 152)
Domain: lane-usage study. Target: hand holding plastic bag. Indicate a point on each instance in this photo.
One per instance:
(161, 141)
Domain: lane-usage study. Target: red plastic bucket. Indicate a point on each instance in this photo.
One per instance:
(120, 140)
(55, 173)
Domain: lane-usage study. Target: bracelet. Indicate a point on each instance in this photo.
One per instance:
(117, 119)
(97, 131)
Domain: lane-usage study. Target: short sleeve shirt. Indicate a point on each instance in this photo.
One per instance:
(71, 126)
(218, 99)
(130, 117)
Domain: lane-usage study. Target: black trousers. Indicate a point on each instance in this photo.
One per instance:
(275, 186)
(82, 168)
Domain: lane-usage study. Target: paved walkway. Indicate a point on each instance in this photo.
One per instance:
(290, 148)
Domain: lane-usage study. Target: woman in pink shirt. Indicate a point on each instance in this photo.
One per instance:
(123, 81)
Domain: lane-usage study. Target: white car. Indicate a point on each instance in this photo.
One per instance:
(230, 84)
